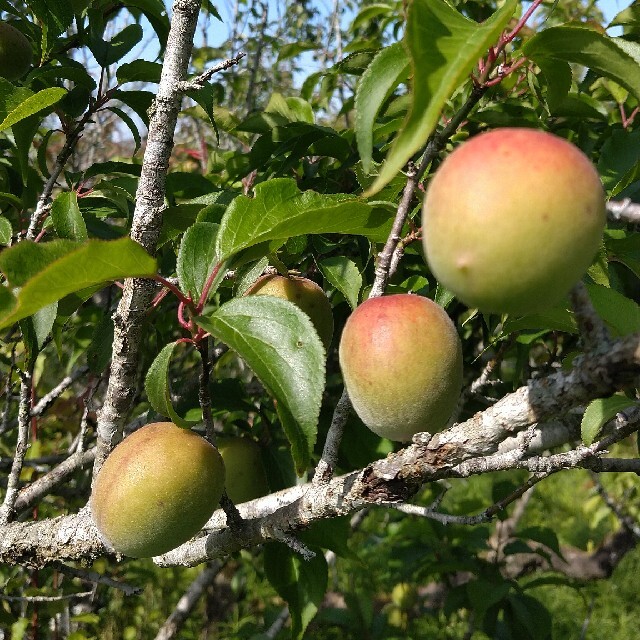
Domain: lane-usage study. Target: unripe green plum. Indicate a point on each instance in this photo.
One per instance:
(156, 490)
(512, 220)
(401, 361)
(15, 52)
(304, 293)
(245, 477)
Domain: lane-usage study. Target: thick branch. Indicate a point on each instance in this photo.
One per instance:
(469, 447)
(129, 319)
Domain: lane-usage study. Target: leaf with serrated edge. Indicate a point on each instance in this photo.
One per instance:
(344, 275)
(444, 47)
(278, 341)
(67, 219)
(382, 76)
(590, 48)
(280, 211)
(197, 257)
(84, 265)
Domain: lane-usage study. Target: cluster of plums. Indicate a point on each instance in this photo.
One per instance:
(511, 221)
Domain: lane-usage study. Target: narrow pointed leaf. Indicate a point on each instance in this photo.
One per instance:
(280, 211)
(444, 47)
(33, 104)
(156, 384)
(383, 75)
(50, 271)
(278, 341)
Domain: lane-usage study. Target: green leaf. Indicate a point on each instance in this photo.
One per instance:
(156, 384)
(277, 340)
(386, 71)
(67, 219)
(6, 231)
(155, 12)
(128, 120)
(531, 620)
(444, 47)
(621, 314)
(50, 271)
(139, 71)
(592, 49)
(106, 53)
(100, 349)
(599, 412)
(330, 534)
(483, 594)
(619, 156)
(33, 104)
(344, 275)
(301, 583)
(197, 258)
(280, 211)
(292, 49)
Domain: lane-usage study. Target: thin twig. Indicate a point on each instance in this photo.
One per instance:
(277, 625)
(94, 577)
(625, 519)
(29, 495)
(204, 396)
(199, 81)
(329, 460)
(188, 601)
(7, 509)
(67, 596)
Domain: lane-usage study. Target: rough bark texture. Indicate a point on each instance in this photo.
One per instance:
(467, 448)
(129, 319)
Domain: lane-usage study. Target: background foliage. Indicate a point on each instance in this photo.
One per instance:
(268, 171)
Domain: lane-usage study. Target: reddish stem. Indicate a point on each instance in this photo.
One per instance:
(207, 288)
(184, 323)
(185, 300)
(520, 24)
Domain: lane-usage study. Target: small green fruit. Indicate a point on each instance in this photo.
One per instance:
(245, 477)
(16, 54)
(401, 361)
(404, 595)
(156, 490)
(512, 220)
(304, 293)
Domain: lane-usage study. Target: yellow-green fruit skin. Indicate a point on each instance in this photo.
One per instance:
(245, 477)
(304, 293)
(401, 362)
(156, 490)
(512, 219)
(15, 52)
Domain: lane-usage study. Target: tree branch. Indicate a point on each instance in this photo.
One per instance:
(467, 448)
(129, 319)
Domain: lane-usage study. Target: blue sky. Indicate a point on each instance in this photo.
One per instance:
(217, 32)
